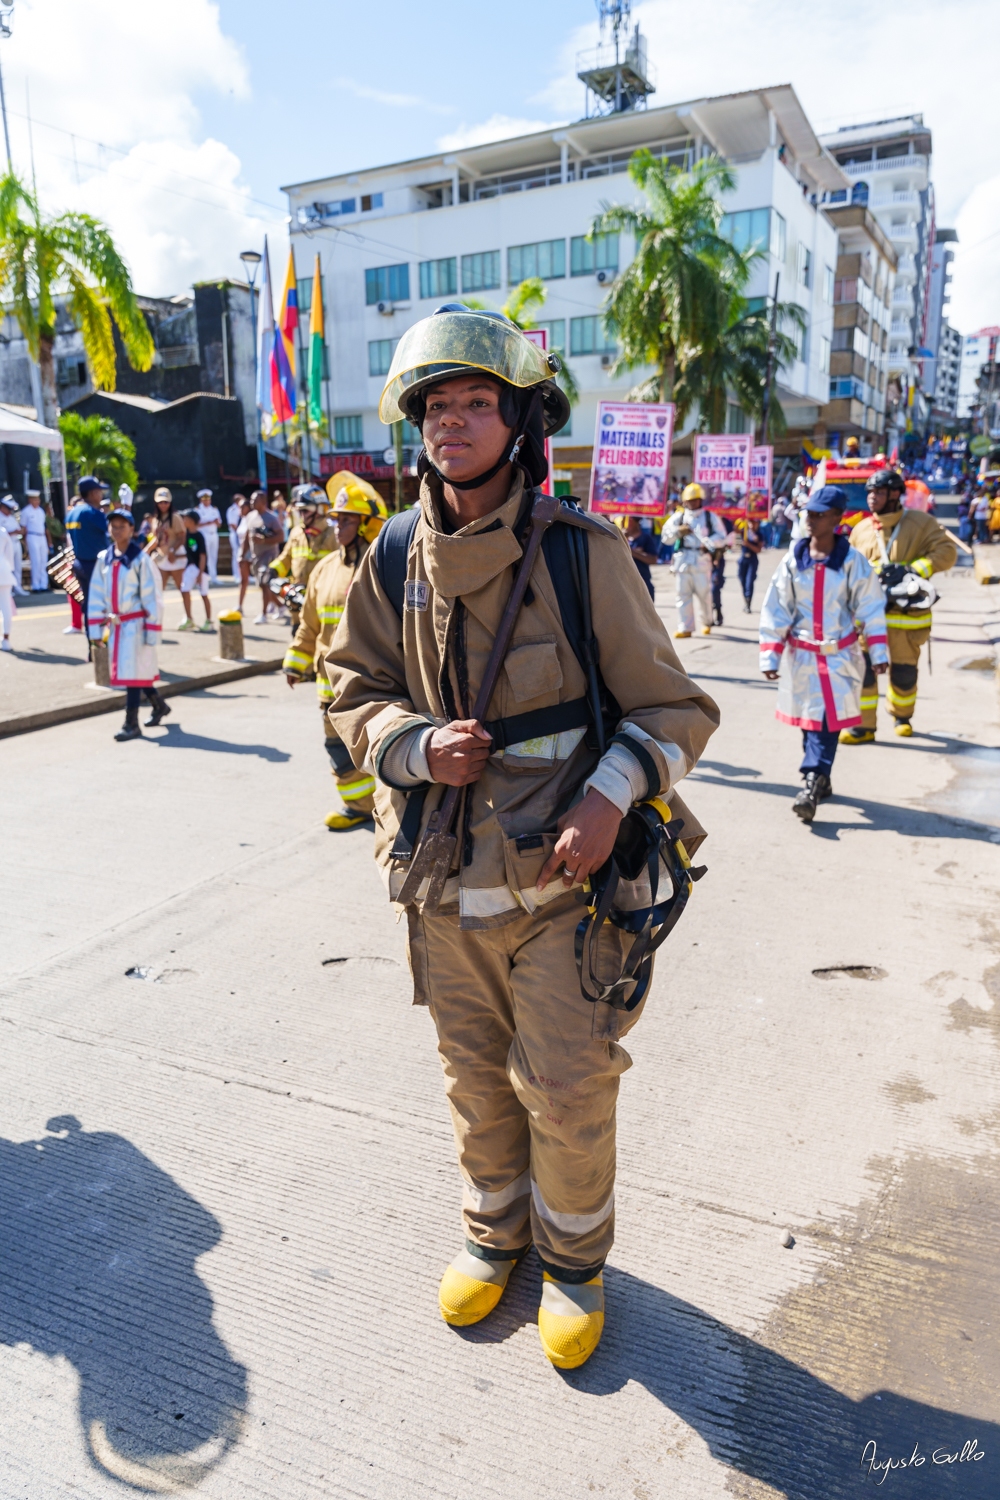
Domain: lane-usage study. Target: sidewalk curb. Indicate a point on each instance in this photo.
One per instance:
(114, 699)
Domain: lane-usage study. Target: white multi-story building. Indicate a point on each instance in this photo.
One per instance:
(947, 373)
(979, 351)
(396, 241)
(942, 259)
(888, 163)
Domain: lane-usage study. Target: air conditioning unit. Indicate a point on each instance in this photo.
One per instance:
(604, 276)
(385, 308)
(607, 360)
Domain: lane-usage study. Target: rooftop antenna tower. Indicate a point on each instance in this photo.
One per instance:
(616, 73)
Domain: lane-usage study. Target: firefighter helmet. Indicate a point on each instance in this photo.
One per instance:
(355, 496)
(886, 479)
(693, 492)
(455, 340)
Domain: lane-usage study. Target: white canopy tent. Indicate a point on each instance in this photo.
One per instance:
(26, 433)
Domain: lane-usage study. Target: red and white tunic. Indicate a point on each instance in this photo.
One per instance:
(126, 598)
(809, 625)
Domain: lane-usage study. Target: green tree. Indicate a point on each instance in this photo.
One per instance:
(732, 360)
(96, 445)
(664, 306)
(73, 255)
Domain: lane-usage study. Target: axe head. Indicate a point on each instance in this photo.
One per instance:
(431, 862)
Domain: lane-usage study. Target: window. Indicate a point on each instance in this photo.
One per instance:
(803, 259)
(347, 432)
(588, 256)
(848, 158)
(847, 385)
(71, 370)
(546, 259)
(755, 229)
(587, 336)
(480, 273)
(828, 283)
(380, 352)
(846, 289)
(338, 208)
(859, 192)
(898, 148)
(387, 284)
(439, 278)
(370, 201)
(824, 356)
(556, 330)
(736, 418)
(840, 196)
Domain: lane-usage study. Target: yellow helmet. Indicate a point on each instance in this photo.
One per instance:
(348, 492)
(693, 492)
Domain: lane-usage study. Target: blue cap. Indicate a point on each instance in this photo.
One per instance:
(830, 497)
(88, 483)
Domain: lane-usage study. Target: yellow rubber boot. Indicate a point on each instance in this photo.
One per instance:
(904, 728)
(341, 820)
(856, 736)
(471, 1288)
(706, 630)
(681, 635)
(571, 1320)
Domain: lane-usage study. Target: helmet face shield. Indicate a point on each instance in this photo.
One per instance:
(449, 343)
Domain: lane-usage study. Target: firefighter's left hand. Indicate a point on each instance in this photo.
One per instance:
(883, 666)
(587, 836)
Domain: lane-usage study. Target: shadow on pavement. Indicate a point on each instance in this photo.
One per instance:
(175, 738)
(98, 1248)
(880, 817)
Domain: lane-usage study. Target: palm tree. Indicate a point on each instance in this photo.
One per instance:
(71, 255)
(518, 308)
(664, 304)
(96, 445)
(732, 360)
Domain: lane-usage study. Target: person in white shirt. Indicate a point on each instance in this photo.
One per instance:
(33, 526)
(209, 521)
(234, 516)
(6, 579)
(11, 523)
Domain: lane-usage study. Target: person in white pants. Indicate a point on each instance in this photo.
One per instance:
(6, 586)
(234, 516)
(33, 527)
(209, 521)
(11, 523)
(697, 533)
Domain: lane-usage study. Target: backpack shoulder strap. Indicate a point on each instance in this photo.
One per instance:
(392, 546)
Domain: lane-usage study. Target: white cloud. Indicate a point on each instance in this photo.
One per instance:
(975, 299)
(496, 128)
(393, 101)
(108, 72)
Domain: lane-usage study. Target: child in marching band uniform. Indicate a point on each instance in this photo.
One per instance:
(126, 599)
(820, 592)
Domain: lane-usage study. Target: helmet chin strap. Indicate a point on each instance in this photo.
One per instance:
(481, 479)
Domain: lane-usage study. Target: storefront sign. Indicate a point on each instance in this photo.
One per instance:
(371, 465)
(631, 467)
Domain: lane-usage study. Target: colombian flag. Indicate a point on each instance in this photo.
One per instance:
(283, 355)
(317, 338)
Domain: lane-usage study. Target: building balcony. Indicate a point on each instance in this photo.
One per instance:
(890, 164)
(903, 236)
(909, 199)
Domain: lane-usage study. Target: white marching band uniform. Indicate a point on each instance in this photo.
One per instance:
(692, 565)
(809, 634)
(209, 521)
(126, 596)
(33, 526)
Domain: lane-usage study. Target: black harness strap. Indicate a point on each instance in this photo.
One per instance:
(539, 722)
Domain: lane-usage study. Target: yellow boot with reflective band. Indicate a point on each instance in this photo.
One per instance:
(904, 728)
(471, 1288)
(571, 1320)
(341, 821)
(857, 736)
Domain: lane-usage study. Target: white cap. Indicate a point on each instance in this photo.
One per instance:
(8, 502)
(33, 492)
(199, 493)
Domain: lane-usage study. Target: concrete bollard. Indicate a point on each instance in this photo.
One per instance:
(231, 637)
(102, 669)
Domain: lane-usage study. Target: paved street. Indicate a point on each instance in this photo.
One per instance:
(227, 1179)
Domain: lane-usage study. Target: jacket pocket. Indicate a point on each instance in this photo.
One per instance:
(524, 857)
(533, 670)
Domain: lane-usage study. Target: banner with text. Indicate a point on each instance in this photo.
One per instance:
(631, 465)
(721, 465)
(761, 471)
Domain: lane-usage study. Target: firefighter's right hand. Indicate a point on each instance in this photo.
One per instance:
(292, 678)
(458, 752)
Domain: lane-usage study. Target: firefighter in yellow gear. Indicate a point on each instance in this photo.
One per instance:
(910, 539)
(358, 515)
(312, 538)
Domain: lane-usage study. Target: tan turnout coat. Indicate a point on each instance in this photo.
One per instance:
(390, 676)
(911, 536)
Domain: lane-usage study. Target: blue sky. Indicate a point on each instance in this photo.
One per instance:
(179, 123)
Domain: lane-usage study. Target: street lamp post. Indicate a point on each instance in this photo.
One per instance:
(251, 261)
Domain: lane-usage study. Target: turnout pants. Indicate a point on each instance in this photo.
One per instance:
(901, 689)
(693, 584)
(531, 1074)
(357, 788)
